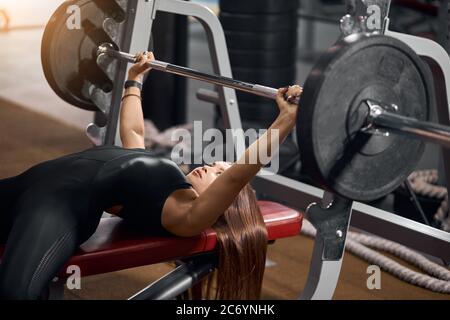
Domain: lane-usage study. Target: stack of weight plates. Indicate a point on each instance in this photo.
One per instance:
(262, 39)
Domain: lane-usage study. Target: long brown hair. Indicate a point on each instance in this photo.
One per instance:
(242, 247)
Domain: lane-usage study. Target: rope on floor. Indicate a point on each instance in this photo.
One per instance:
(423, 183)
(403, 253)
(358, 244)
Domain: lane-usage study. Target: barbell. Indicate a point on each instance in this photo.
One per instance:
(362, 102)
(256, 89)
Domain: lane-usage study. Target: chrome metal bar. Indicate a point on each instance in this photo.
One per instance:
(179, 280)
(208, 96)
(255, 89)
(427, 131)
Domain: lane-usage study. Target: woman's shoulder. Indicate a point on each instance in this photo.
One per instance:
(137, 163)
(146, 163)
(109, 153)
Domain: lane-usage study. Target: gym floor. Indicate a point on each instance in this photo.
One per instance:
(37, 125)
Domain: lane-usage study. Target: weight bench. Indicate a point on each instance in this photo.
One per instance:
(114, 247)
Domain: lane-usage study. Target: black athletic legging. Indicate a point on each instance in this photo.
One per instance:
(49, 210)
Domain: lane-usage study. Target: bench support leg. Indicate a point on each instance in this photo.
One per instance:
(331, 220)
(179, 280)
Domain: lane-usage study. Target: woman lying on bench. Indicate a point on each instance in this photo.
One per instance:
(47, 212)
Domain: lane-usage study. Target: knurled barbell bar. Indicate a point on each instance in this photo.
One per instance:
(362, 101)
(256, 89)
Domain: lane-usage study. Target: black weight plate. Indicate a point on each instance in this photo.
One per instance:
(264, 112)
(271, 77)
(252, 23)
(69, 55)
(281, 40)
(335, 153)
(262, 58)
(258, 6)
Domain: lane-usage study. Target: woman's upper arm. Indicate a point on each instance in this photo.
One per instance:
(186, 213)
(175, 215)
(212, 203)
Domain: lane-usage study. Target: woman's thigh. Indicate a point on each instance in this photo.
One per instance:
(12, 188)
(43, 237)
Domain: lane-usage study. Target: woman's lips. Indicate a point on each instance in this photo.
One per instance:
(198, 173)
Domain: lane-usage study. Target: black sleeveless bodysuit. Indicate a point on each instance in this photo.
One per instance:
(52, 208)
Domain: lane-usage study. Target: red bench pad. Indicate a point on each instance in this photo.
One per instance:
(113, 247)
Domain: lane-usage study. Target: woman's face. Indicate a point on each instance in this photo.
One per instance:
(202, 177)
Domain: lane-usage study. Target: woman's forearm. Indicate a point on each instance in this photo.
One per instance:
(132, 119)
(213, 202)
(131, 115)
(206, 209)
(262, 150)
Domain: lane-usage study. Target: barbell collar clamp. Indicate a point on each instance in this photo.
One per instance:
(379, 117)
(108, 49)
